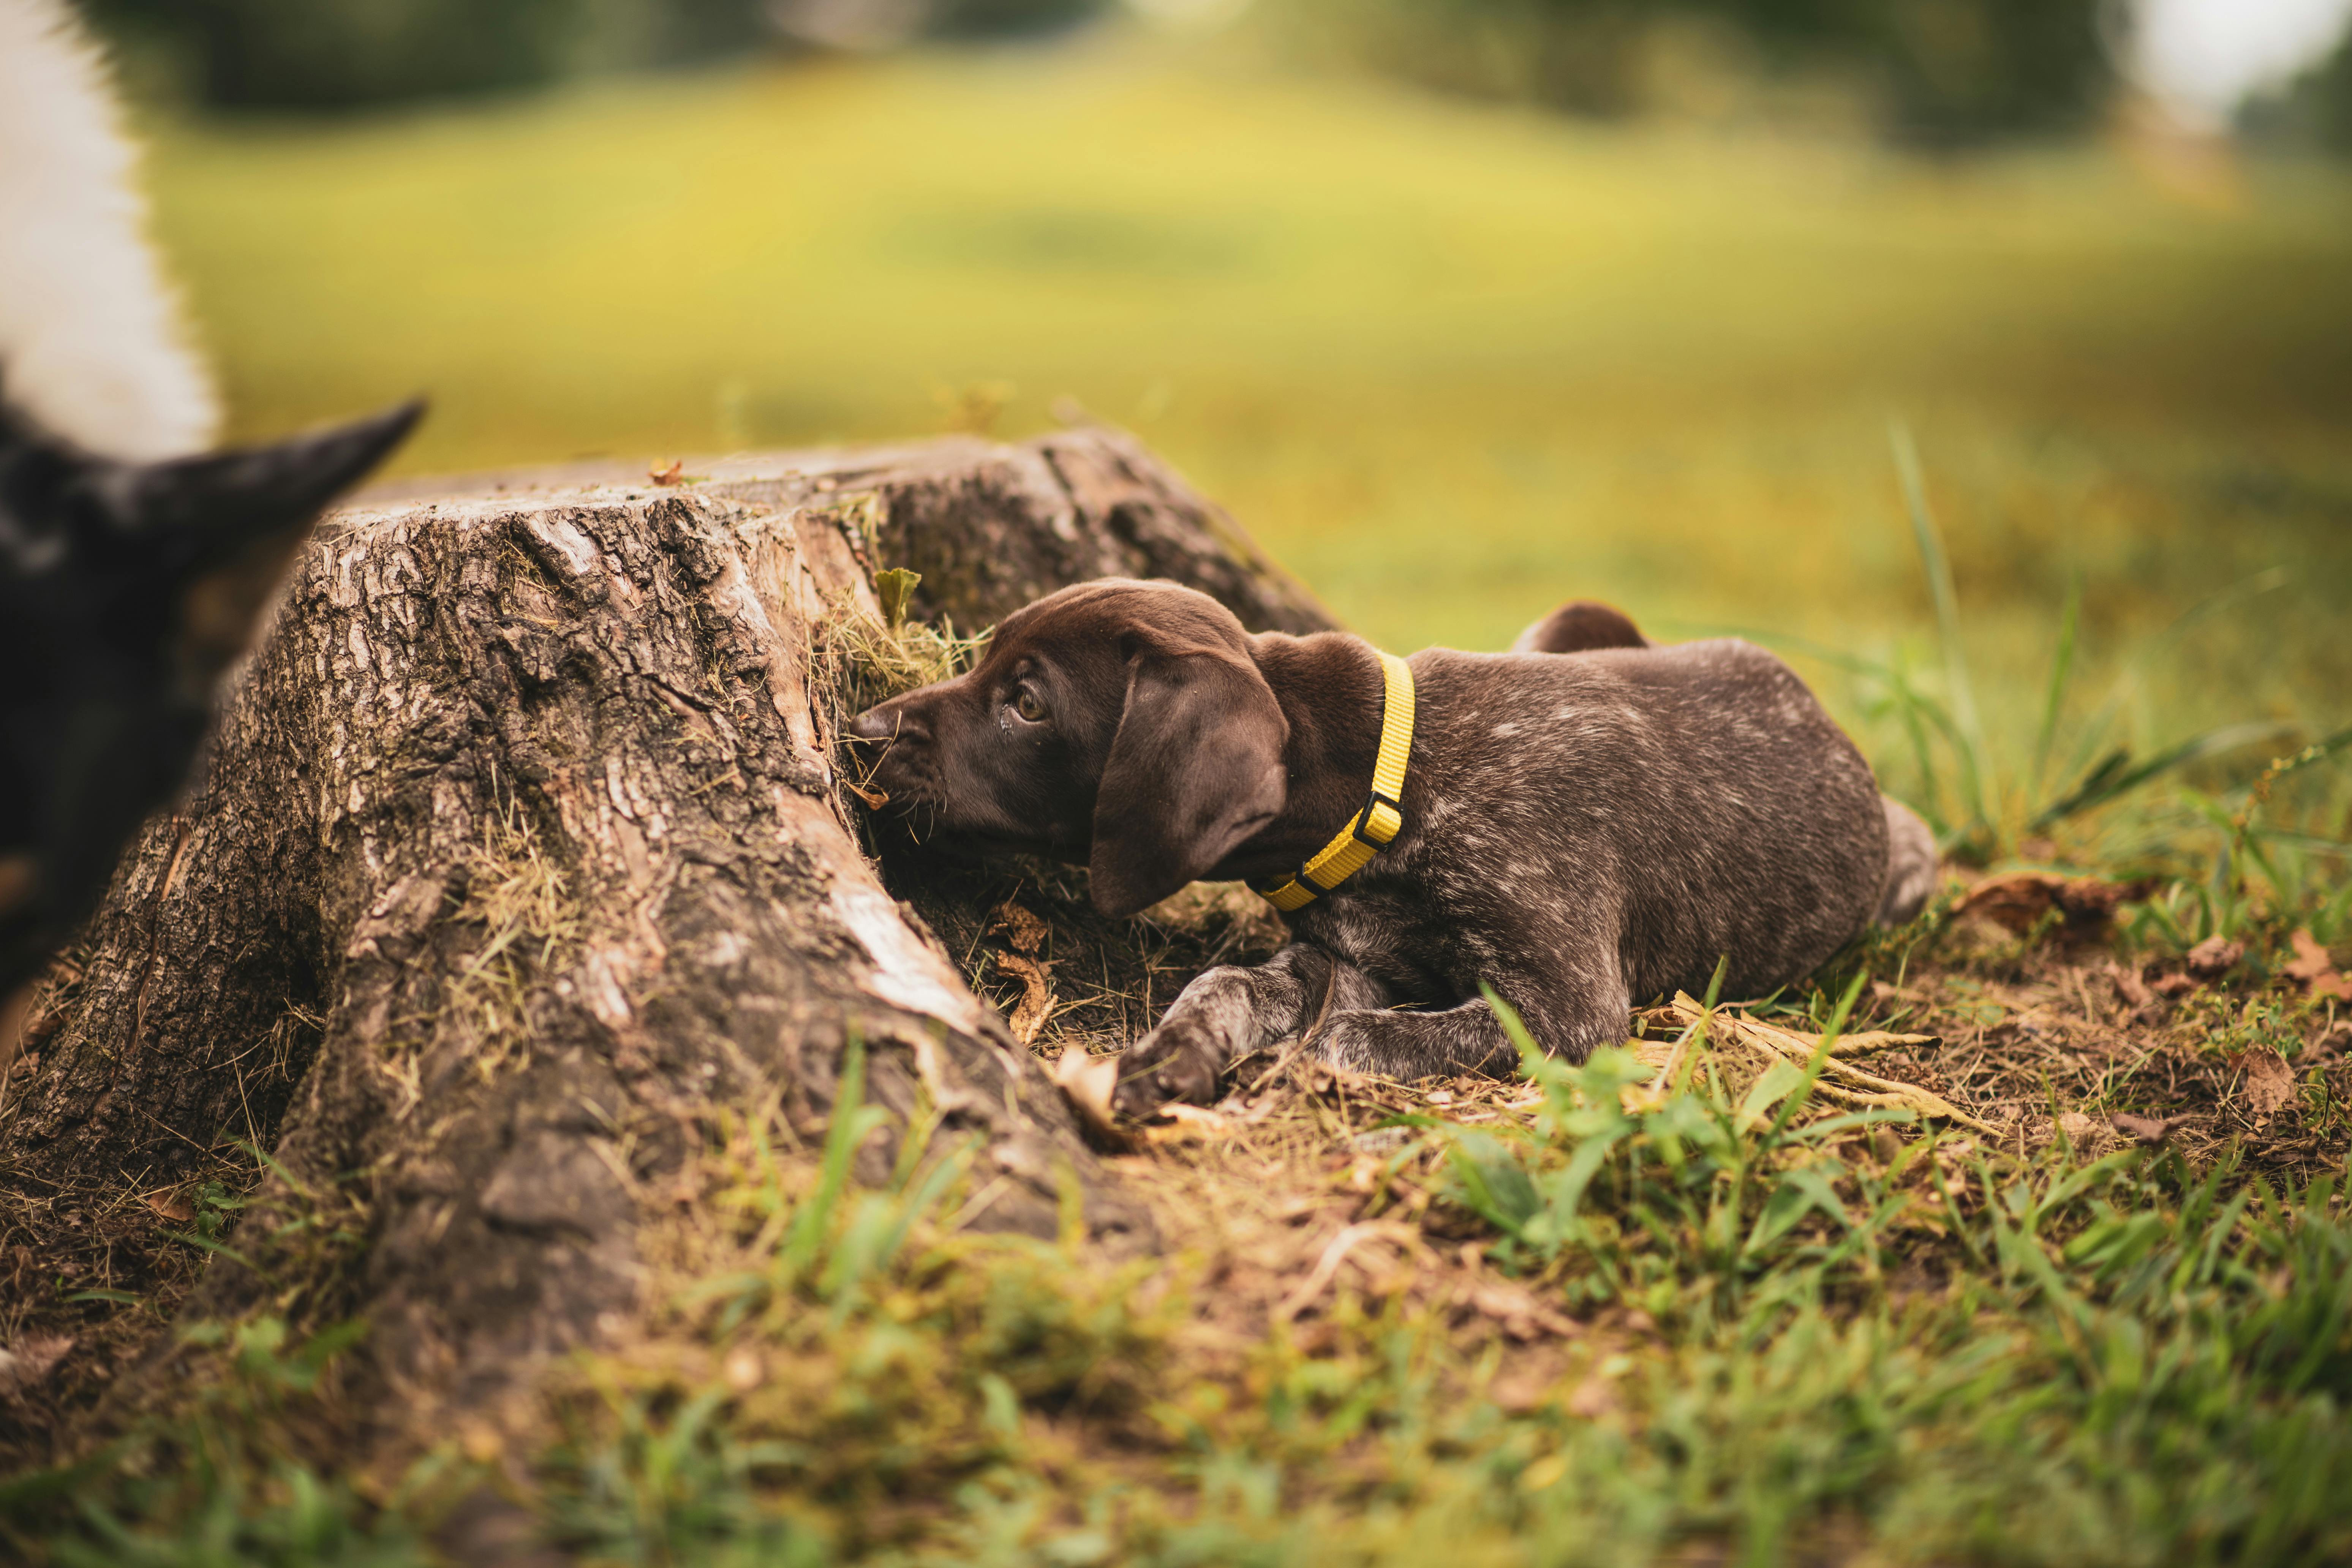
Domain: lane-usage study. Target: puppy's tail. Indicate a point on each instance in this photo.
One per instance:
(1580, 627)
(1911, 865)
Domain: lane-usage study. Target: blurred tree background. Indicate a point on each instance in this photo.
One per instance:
(1941, 72)
(1464, 306)
(2313, 110)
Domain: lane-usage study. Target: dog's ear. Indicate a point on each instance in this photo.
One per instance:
(224, 526)
(1196, 768)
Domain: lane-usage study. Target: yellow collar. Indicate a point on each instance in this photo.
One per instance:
(1382, 818)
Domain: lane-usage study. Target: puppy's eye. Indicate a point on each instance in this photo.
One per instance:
(1025, 703)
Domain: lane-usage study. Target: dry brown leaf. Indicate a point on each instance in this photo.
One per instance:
(673, 475)
(2130, 986)
(2018, 900)
(2146, 1130)
(2214, 957)
(2315, 969)
(2311, 959)
(2172, 986)
(874, 799)
(1024, 931)
(2270, 1082)
(170, 1206)
(1036, 1003)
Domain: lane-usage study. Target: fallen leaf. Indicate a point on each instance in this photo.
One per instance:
(674, 474)
(2149, 1132)
(2214, 957)
(874, 799)
(2172, 986)
(2311, 959)
(2270, 1082)
(1024, 931)
(30, 1360)
(1036, 1003)
(170, 1206)
(2019, 900)
(2313, 966)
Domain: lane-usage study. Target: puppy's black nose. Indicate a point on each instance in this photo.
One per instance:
(888, 722)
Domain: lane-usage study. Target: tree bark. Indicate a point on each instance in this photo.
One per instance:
(520, 861)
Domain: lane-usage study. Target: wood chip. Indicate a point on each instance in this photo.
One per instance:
(1086, 1082)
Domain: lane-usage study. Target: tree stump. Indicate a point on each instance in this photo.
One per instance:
(520, 862)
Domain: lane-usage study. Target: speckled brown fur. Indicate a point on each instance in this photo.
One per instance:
(1582, 832)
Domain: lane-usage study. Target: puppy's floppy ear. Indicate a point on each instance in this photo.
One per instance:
(1196, 768)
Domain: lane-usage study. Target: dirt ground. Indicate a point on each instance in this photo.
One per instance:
(1293, 1190)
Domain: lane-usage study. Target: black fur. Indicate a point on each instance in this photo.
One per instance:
(124, 591)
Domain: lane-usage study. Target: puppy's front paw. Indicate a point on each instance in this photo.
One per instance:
(1174, 1061)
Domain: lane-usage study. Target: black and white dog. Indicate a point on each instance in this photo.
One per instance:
(132, 569)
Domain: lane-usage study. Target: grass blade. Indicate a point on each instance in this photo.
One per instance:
(1947, 618)
(2062, 666)
(2094, 732)
(2116, 776)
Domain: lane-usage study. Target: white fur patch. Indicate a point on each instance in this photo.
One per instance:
(91, 347)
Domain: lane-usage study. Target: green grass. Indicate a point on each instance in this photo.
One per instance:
(1798, 1340)
(1451, 364)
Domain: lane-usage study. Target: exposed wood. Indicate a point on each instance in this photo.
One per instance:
(521, 860)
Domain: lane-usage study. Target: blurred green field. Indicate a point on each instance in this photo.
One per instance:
(1451, 364)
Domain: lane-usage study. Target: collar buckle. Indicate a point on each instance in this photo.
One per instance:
(1369, 828)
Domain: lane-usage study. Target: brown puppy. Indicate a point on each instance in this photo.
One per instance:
(1578, 832)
